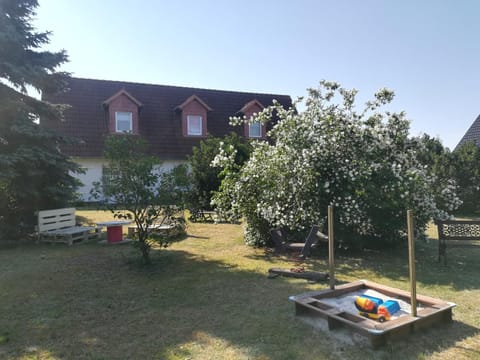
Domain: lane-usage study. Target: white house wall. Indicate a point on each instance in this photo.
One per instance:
(93, 172)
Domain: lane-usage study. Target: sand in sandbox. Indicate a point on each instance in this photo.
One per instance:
(347, 302)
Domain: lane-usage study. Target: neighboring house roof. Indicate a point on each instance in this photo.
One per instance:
(472, 134)
(160, 121)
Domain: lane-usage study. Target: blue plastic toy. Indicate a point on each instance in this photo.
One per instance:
(375, 308)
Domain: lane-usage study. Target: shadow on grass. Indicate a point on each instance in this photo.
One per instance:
(197, 237)
(91, 302)
(461, 271)
(271, 256)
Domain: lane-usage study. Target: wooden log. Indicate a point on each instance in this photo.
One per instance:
(309, 275)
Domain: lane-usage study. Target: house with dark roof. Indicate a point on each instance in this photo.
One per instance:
(472, 134)
(171, 119)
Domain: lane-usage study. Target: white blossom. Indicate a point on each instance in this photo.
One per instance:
(330, 154)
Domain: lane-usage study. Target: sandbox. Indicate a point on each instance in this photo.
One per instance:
(336, 304)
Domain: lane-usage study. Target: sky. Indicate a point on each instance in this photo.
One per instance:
(427, 51)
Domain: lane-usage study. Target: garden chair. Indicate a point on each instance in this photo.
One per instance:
(279, 238)
(282, 245)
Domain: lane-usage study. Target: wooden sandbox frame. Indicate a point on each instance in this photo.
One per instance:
(432, 311)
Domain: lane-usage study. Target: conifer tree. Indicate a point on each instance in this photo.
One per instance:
(34, 174)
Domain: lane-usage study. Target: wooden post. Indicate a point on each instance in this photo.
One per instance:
(411, 261)
(330, 248)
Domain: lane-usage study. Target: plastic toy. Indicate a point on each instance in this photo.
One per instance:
(374, 308)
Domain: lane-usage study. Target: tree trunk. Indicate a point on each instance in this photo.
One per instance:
(145, 249)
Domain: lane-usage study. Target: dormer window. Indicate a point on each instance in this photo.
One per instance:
(123, 113)
(194, 116)
(123, 121)
(194, 125)
(255, 130)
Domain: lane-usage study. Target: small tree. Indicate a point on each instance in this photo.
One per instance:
(442, 167)
(133, 188)
(460, 168)
(205, 179)
(466, 163)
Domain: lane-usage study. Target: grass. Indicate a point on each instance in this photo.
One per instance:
(208, 297)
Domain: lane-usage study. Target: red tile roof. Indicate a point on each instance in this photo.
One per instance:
(160, 121)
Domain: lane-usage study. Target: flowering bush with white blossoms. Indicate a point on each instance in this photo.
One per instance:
(364, 163)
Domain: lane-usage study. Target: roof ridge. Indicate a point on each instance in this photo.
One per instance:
(179, 87)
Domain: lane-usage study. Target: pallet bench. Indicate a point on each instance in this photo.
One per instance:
(59, 226)
(456, 233)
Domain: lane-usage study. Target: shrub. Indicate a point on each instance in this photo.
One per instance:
(466, 163)
(205, 179)
(364, 163)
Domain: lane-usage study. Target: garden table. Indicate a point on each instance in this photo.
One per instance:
(114, 229)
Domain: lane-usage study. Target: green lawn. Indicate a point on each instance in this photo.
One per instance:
(208, 297)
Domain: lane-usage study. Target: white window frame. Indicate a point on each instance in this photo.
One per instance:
(190, 131)
(129, 118)
(250, 126)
